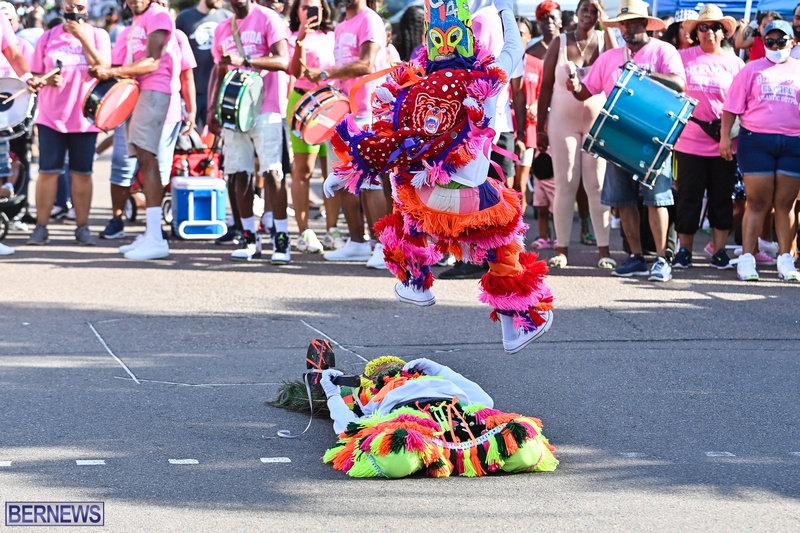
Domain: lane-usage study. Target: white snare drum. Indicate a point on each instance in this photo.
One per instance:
(16, 116)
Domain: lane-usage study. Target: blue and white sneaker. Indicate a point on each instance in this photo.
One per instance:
(660, 271)
(634, 266)
(683, 259)
(115, 229)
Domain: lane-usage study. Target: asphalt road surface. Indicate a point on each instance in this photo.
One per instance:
(673, 407)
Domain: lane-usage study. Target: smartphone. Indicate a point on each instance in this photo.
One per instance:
(311, 12)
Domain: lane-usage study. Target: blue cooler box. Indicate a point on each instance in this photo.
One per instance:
(198, 208)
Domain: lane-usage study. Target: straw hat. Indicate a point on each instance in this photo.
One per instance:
(711, 13)
(635, 9)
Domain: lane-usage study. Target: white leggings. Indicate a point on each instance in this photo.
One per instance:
(570, 165)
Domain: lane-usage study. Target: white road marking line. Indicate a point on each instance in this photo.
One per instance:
(275, 460)
(633, 455)
(184, 461)
(309, 326)
(96, 334)
(90, 462)
(719, 454)
(5, 463)
(199, 384)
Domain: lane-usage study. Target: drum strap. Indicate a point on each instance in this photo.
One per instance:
(363, 81)
(236, 37)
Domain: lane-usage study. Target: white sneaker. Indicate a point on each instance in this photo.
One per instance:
(149, 249)
(410, 295)
(351, 251)
(615, 222)
(515, 339)
(377, 261)
(250, 247)
(6, 250)
(767, 247)
(125, 248)
(786, 268)
(333, 240)
(746, 268)
(308, 243)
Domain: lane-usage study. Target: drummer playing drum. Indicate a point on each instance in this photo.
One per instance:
(261, 36)
(151, 64)
(63, 129)
(619, 189)
(12, 57)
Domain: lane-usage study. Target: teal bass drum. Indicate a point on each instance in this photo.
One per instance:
(240, 99)
(639, 124)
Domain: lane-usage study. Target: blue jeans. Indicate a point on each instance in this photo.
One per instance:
(621, 190)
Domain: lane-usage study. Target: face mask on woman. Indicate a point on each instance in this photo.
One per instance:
(779, 56)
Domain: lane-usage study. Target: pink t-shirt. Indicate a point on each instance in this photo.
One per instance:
(392, 55)
(120, 50)
(155, 18)
(61, 108)
(350, 34)
(7, 38)
(708, 78)
(319, 54)
(657, 56)
(179, 47)
(767, 96)
(258, 31)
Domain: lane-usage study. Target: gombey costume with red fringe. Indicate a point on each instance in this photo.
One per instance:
(432, 133)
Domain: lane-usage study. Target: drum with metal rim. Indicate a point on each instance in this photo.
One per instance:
(240, 99)
(318, 113)
(16, 116)
(639, 124)
(110, 102)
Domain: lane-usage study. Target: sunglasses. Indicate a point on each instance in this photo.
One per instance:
(769, 42)
(73, 7)
(702, 28)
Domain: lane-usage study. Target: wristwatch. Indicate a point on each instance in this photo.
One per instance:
(323, 75)
(247, 61)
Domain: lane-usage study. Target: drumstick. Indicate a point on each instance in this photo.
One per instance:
(22, 91)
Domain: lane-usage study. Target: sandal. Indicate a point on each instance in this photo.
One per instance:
(607, 262)
(541, 244)
(588, 239)
(558, 261)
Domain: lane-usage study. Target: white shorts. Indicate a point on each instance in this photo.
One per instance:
(543, 192)
(527, 158)
(265, 140)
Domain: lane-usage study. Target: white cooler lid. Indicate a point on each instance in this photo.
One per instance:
(198, 183)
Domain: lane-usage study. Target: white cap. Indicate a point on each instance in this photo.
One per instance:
(7, 9)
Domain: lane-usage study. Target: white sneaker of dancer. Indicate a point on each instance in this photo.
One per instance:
(410, 295)
(515, 339)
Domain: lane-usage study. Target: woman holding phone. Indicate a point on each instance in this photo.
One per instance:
(311, 45)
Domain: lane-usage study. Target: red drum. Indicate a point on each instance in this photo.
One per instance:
(110, 102)
(318, 113)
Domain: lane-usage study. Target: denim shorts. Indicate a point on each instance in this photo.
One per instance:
(621, 190)
(53, 148)
(767, 154)
(5, 160)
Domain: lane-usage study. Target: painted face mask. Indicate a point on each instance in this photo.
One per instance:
(448, 29)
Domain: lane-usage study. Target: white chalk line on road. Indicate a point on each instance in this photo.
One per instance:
(199, 384)
(123, 365)
(286, 460)
(309, 326)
